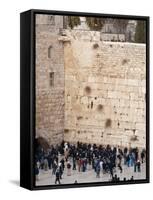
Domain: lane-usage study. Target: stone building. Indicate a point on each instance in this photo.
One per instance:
(111, 32)
(49, 78)
(87, 89)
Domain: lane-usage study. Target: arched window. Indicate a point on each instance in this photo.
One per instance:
(49, 51)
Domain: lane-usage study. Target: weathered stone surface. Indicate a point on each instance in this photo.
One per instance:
(49, 99)
(94, 82)
(115, 74)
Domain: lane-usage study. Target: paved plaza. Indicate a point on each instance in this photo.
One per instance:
(46, 177)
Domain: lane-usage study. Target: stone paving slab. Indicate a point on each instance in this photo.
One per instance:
(46, 177)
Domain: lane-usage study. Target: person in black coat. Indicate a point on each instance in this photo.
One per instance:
(57, 174)
(36, 171)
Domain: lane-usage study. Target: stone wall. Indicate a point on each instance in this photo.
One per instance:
(98, 91)
(49, 98)
(112, 37)
(104, 90)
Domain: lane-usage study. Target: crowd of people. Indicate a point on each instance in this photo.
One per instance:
(82, 157)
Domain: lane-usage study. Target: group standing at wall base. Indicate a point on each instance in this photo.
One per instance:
(85, 157)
